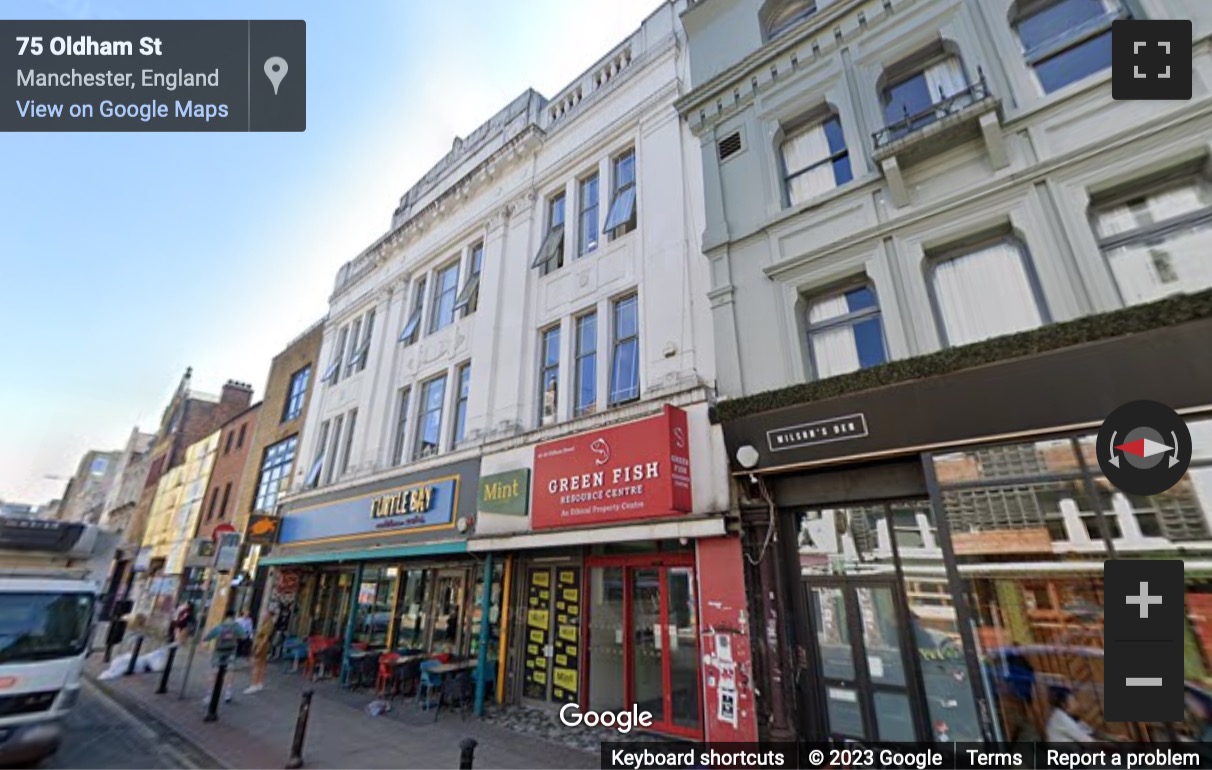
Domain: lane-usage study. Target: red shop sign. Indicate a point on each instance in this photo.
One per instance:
(637, 470)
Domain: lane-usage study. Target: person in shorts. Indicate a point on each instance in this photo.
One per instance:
(226, 636)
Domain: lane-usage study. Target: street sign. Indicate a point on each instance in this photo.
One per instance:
(229, 552)
(201, 553)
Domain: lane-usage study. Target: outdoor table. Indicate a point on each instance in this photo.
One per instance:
(451, 668)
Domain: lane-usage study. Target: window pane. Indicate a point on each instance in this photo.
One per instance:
(833, 132)
(1177, 262)
(1161, 206)
(402, 406)
(860, 299)
(626, 319)
(841, 170)
(587, 369)
(587, 235)
(869, 341)
(555, 212)
(461, 403)
(985, 294)
(445, 290)
(907, 97)
(624, 170)
(622, 211)
(1073, 64)
(429, 429)
(624, 379)
(1057, 19)
(806, 149)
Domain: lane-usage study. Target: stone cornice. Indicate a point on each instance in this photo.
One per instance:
(735, 88)
(516, 149)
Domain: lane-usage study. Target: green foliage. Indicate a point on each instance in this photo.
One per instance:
(1119, 323)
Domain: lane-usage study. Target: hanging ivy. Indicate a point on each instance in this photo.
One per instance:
(1132, 320)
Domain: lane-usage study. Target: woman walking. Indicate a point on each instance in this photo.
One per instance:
(261, 645)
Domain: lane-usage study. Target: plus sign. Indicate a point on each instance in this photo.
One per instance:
(1144, 600)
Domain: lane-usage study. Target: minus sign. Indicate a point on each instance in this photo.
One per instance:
(1143, 681)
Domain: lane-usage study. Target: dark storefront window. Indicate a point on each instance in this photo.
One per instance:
(373, 618)
(412, 605)
(889, 655)
(1031, 524)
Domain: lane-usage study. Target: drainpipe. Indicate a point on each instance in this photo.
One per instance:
(482, 661)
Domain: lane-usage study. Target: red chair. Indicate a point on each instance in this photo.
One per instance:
(386, 672)
(315, 645)
(441, 657)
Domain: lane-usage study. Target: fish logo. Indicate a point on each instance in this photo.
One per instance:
(262, 526)
(602, 449)
(679, 438)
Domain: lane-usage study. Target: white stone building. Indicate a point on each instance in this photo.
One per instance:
(537, 310)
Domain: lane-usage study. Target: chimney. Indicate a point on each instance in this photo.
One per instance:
(239, 393)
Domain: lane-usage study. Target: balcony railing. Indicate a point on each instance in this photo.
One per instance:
(946, 105)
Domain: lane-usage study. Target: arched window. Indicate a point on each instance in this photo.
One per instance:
(815, 158)
(778, 16)
(1066, 40)
(919, 90)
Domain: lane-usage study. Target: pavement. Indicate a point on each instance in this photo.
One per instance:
(256, 731)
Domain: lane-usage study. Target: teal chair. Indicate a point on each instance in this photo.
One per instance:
(429, 684)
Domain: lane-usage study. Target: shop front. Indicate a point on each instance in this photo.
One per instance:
(384, 568)
(603, 533)
(940, 542)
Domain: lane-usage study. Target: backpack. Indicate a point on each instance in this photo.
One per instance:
(228, 640)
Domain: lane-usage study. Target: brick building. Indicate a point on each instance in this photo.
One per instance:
(271, 452)
(189, 417)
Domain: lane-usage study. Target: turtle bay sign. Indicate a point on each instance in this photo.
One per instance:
(820, 432)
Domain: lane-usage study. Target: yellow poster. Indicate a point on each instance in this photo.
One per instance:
(541, 662)
(565, 677)
(540, 677)
(534, 601)
(572, 594)
(533, 649)
(561, 660)
(537, 636)
(569, 633)
(530, 664)
(537, 618)
(561, 618)
(559, 605)
(540, 578)
(545, 595)
(568, 577)
(574, 609)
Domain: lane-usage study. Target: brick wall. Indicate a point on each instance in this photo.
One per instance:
(223, 490)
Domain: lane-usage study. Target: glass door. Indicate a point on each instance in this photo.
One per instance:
(643, 640)
(552, 647)
(861, 659)
(449, 601)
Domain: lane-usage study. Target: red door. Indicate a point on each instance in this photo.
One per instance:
(643, 635)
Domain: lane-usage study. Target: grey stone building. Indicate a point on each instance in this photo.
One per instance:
(940, 255)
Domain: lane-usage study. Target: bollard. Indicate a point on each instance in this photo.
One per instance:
(134, 656)
(296, 748)
(467, 753)
(168, 667)
(212, 709)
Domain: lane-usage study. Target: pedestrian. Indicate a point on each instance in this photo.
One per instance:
(245, 646)
(185, 622)
(1064, 726)
(226, 636)
(262, 643)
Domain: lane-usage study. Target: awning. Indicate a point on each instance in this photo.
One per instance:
(312, 556)
(666, 530)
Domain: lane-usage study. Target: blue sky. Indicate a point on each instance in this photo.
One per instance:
(127, 257)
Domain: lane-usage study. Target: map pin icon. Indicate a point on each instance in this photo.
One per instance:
(275, 70)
